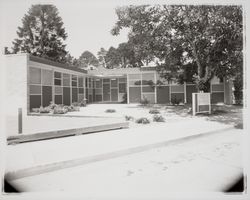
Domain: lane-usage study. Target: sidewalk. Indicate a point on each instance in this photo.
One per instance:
(49, 155)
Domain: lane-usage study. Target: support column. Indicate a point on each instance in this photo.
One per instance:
(155, 88)
(185, 92)
(127, 89)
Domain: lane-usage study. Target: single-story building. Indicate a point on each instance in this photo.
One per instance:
(33, 82)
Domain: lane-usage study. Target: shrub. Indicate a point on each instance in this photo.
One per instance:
(44, 109)
(52, 105)
(110, 111)
(71, 108)
(129, 118)
(158, 118)
(142, 120)
(35, 110)
(76, 104)
(175, 101)
(144, 101)
(154, 111)
(59, 110)
(125, 98)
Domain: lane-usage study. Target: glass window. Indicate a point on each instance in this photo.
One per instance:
(35, 75)
(58, 90)
(134, 82)
(57, 82)
(98, 91)
(80, 81)
(86, 82)
(57, 75)
(98, 83)
(90, 83)
(114, 82)
(148, 89)
(74, 81)
(122, 80)
(35, 89)
(57, 78)
(81, 90)
(148, 79)
(47, 77)
(122, 88)
(106, 80)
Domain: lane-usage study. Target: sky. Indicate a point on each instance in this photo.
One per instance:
(87, 22)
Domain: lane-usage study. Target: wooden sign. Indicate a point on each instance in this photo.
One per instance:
(201, 103)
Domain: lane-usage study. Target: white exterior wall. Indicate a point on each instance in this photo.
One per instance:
(15, 90)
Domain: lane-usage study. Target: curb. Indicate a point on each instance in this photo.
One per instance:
(32, 171)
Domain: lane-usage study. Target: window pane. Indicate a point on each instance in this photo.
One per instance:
(57, 82)
(66, 82)
(80, 81)
(58, 90)
(98, 91)
(57, 75)
(74, 78)
(147, 89)
(114, 82)
(35, 75)
(122, 80)
(134, 82)
(122, 87)
(98, 83)
(148, 79)
(35, 89)
(74, 84)
(106, 80)
(47, 77)
(81, 90)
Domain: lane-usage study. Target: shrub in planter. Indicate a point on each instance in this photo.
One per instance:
(35, 110)
(59, 110)
(142, 120)
(52, 105)
(129, 118)
(44, 109)
(71, 108)
(154, 111)
(76, 104)
(110, 111)
(158, 118)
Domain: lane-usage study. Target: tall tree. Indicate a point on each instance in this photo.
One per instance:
(42, 33)
(113, 59)
(102, 57)
(87, 58)
(208, 38)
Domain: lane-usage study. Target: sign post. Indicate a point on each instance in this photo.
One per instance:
(20, 120)
(201, 103)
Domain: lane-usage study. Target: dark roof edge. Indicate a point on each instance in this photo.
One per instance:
(56, 64)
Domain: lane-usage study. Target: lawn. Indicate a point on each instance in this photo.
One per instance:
(226, 114)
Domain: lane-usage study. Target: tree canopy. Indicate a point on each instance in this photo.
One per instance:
(42, 33)
(87, 59)
(196, 41)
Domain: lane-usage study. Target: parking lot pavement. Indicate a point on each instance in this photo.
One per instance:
(206, 164)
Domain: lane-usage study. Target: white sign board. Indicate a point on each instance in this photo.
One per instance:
(201, 103)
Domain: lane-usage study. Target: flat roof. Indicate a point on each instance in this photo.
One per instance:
(56, 64)
(101, 71)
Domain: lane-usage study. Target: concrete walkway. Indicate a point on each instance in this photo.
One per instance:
(48, 155)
